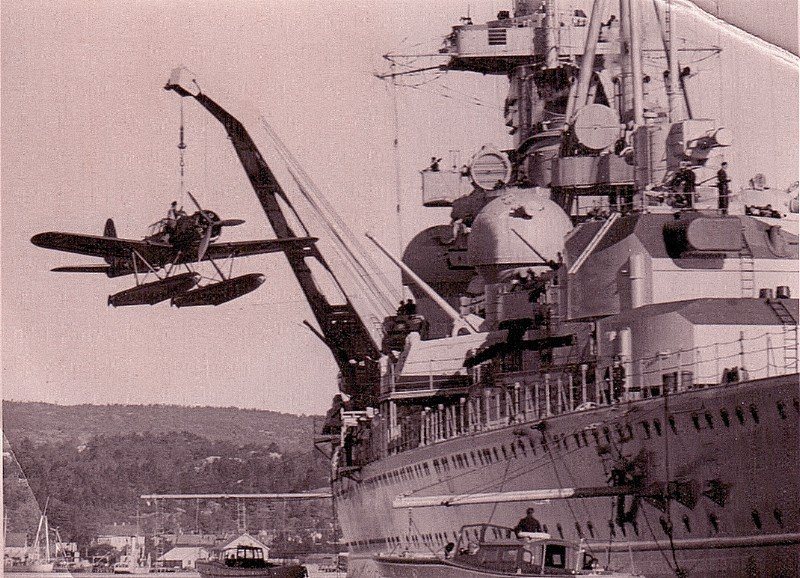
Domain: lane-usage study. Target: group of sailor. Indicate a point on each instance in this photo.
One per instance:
(684, 182)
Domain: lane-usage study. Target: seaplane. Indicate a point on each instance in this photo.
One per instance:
(179, 241)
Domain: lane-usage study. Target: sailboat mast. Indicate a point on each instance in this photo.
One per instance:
(46, 539)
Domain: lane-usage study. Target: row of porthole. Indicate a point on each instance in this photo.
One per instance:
(480, 458)
(624, 433)
(780, 406)
(443, 538)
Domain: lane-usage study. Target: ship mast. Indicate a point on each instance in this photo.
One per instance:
(673, 88)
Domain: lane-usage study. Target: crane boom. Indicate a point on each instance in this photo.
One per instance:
(344, 332)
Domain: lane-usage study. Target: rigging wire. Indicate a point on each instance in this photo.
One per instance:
(343, 237)
(396, 158)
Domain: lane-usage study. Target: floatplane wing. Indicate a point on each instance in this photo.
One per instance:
(106, 247)
(156, 253)
(258, 247)
(126, 256)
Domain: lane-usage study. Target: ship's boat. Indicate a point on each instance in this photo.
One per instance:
(489, 550)
(247, 562)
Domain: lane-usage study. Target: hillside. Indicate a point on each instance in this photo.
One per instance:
(93, 462)
(49, 423)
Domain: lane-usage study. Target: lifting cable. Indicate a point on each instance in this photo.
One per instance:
(181, 149)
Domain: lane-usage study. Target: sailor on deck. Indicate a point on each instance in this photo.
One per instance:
(528, 523)
(684, 180)
(615, 380)
(723, 188)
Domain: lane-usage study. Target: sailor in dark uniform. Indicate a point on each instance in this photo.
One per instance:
(684, 180)
(615, 380)
(528, 523)
(723, 189)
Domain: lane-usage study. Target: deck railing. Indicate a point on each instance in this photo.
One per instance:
(500, 398)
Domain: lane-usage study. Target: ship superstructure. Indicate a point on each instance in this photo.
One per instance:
(634, 372)
(605, 330)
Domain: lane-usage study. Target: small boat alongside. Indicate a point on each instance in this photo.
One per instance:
(486, 550)
(247, 562)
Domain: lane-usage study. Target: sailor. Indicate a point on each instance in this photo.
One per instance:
(528, 523)
(615, 380)
(684, 180)
(434, 164)
(402, 309)
(171, 223)
(333, 419)
(723, 188)
(172, 213)
(411, 307)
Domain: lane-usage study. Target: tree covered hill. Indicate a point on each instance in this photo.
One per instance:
(49, 423)
(93, 462)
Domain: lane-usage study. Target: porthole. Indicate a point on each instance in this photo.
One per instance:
(714, 521)
(740, 415)
(781, 410)
(726, 418)
(657, 426)
(778, 517)
(709, 420)
(756, 519)
(754, 412)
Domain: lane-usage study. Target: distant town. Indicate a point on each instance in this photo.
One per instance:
(77, 492)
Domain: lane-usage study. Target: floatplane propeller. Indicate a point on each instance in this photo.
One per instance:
(181, 239)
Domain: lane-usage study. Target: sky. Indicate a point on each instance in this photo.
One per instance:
(88, 133)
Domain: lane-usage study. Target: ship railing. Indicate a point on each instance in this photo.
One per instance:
(442, 373)
(750, 356)
(518, 397)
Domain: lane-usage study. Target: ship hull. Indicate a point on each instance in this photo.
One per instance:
(218, 570)
(731, 452)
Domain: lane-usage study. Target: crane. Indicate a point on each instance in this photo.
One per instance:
(341, 328)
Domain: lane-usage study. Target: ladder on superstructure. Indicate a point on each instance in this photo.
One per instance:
(789, 334)
(747, 269)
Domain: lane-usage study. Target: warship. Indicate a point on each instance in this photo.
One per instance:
(605, 331)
